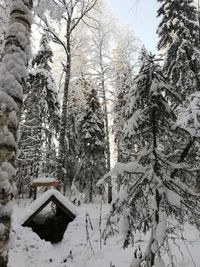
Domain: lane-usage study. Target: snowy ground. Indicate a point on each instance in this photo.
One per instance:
(28, 250)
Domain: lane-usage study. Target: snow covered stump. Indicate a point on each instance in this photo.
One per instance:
(13, 70)
(50, 221)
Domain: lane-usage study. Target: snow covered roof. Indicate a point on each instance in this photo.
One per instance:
(45, 182)
(50, 195)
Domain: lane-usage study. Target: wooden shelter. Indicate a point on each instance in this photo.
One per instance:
(44, 182)
(50, 224)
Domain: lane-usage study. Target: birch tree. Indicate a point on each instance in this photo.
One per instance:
(13, 71)
(71, 12)
(101, 36)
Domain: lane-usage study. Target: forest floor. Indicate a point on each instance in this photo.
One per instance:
(28, 250)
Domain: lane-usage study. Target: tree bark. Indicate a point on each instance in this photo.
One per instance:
(12, 78)
(61, 171)
(106, 130)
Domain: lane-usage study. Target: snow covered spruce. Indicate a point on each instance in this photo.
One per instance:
(178, 34)
(12, 75)
(150, 194)
(40, 121)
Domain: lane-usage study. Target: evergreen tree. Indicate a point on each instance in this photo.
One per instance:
(150, 195)
(124, 58)
(188, 120)
(123, 78)
(92, 143)
(179, 35)
(41, 120)
(72, 155)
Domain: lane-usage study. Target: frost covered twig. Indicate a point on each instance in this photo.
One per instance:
(100, 224)
(88, 225)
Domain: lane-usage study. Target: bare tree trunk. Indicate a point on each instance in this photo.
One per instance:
(106, 133)
(61, 172)
(12, 78)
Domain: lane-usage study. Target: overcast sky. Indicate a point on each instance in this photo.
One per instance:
(141, 16)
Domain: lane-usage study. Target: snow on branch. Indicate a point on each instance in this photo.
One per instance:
(189, 117)
(121, 168)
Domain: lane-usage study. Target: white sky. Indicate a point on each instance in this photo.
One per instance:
(141, 16)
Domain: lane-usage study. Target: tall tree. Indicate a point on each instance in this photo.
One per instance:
(125, 55)
(150, 195)
(76, 106)
(40, 123)
(101, 34)
(4, 21)
(178, 34)
(92, 143)
(71, 12)
(124, 59)
(13, 71)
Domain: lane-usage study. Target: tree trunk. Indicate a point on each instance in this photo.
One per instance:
(106, 133)
(11, 92)
(61, 171)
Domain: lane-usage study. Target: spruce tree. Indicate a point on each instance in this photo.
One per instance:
(149, 195)
(124, 58)
(40, 123)
(92, 143)
(178, 34)
(72, 155)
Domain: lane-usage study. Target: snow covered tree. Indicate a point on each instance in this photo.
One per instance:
(124, 58)
(70, 13)
(189, 120)
(4, 21)
(76, 108)
(101, 34)
(40, 124)
(178, 34)
(125, 55)
(13, 69)
(92, 143)
(151, 193)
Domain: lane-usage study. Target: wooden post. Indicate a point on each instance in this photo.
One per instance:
(35, 193)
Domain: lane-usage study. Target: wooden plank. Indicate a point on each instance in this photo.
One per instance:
(37, 184)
